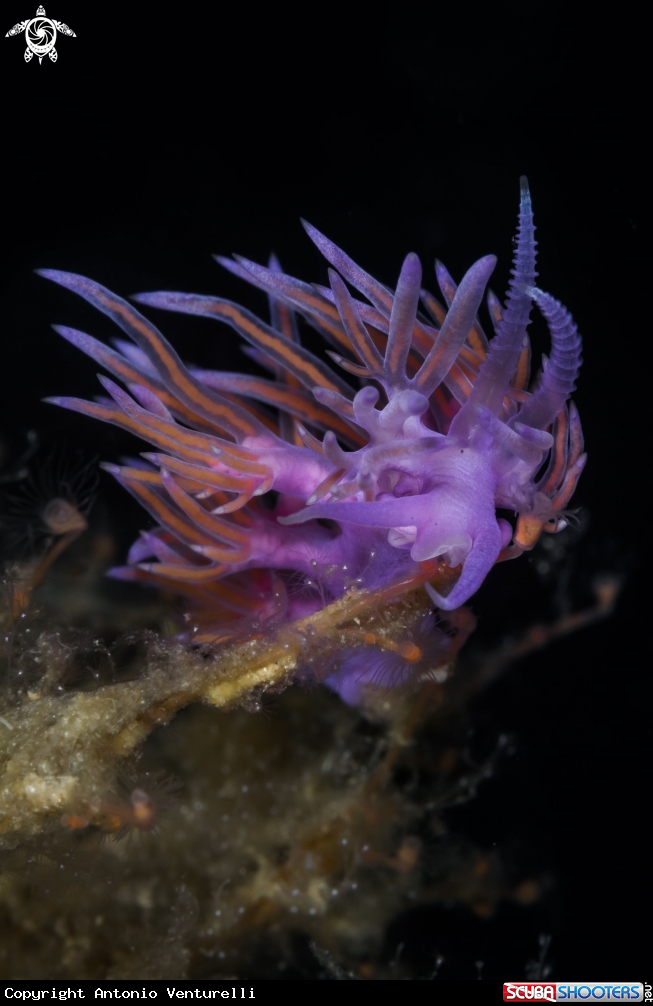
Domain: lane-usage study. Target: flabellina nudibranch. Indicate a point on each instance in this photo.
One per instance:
(411, 466)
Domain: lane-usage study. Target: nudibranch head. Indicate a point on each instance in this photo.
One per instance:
(367, 483)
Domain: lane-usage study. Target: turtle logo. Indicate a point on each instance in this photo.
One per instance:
(40, 35)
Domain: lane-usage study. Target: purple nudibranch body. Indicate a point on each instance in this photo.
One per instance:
(413, 465)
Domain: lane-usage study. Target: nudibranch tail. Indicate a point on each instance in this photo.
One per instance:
(369, 481)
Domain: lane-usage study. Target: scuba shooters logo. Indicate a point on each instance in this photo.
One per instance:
(40, 35)
(572, 992)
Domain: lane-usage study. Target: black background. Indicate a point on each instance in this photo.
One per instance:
(163, 135)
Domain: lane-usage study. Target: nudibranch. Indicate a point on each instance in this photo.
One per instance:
(360, 486)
